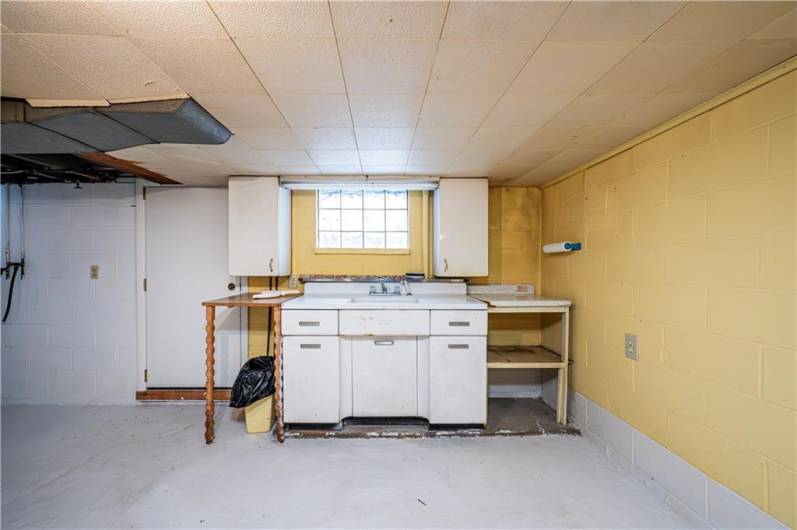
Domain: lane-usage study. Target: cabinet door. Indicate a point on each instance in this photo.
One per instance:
(460, 227)
(385, 376)
(259, 227)
(311, 379)
(458, 380)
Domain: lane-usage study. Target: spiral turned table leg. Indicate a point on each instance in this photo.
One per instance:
(210, 349)
(280, 426)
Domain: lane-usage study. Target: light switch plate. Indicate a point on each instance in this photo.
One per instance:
(632, 346)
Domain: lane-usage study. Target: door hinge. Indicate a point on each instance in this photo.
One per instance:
(145, 284)
(145, 375)
(144, 193)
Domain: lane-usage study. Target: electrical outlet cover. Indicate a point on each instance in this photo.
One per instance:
(632, 346)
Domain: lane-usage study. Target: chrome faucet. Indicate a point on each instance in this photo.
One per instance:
(383, 290)
(406, 285)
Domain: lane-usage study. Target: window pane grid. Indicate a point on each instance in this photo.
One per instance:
(362, 219)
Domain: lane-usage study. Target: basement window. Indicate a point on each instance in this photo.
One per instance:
(353, 219)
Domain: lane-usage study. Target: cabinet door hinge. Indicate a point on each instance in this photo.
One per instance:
(145, 375)
(144, 193)
(145, 284)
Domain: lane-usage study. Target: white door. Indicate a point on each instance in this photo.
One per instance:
(385, 376)
(186, 263)
(311, 379)
(458, 380)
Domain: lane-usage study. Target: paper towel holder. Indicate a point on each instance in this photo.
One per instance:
(564, 246)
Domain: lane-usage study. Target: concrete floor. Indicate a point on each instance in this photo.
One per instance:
(148, 467)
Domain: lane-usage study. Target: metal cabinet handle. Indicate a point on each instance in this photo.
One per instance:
(459, 323)
(458, 346)
(310, 346)
(271, 265)
(309, 323)
(383, 343)
(445, 264)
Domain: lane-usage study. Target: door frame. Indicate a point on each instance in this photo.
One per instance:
(141, 299)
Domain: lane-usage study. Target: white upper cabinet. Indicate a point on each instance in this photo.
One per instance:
(260, 227)
(460, 227)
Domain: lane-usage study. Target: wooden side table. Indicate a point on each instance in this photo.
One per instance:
(242, 300)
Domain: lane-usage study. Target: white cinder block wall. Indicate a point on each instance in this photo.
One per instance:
(70, 339)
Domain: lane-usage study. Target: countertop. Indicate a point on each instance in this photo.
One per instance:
(426, 302)
(520, 300)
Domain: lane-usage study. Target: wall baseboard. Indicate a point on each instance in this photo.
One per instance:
(695, 496)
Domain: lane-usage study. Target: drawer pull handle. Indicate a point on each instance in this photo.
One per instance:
(310, 346)
(459, 323)
(383, 343)
(458, 346)
(309, 323)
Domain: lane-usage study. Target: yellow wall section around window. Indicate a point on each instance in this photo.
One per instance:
(689, 242)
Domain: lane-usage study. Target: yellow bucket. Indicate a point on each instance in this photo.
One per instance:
(259, 416)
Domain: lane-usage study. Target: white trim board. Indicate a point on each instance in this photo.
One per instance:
(698, 498)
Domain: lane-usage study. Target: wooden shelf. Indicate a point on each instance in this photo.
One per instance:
(517, 357)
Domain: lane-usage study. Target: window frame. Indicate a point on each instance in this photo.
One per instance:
(375, 251)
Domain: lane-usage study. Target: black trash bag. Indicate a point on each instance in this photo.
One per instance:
(254, 382)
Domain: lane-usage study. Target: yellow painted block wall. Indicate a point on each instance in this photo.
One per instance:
(689, 242)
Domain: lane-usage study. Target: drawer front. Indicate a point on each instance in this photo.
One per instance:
(309, 322)
(458, 380)
(459, 322)
(311, 379)
(384, 322)
(384, 376)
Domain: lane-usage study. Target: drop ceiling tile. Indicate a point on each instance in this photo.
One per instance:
(432, 157)
(125, 71)
(503, 171)
(384, 137)
(314, 110)
(529, 159)
(207, 66)
(609, 136)
(549, 138)
(652, 66)
(612, 21)
(383, 157)
(295, 66)
(477, 67)
(161, 17)
(268, 137)
(326, 137)
(596, 109)
(741, 62)
(340, 169)
(55, 17)
(266, 168)
(285, 158)
(388, 20)
(567, 67)
(456, 110)
(492, 144)
(264, 18)
(335, 157)
(658, 109)
(29, 74)
(4, 29)
(417, 170)
(383, 170)
(528, 111)
(468, 171)
(784, 27)
(720, 20)
(556, 166)
(242, 111)
(525, 21)
(442, 138)
(396, 66)
(385, 110)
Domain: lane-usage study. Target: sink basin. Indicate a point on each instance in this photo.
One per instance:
(385, 300)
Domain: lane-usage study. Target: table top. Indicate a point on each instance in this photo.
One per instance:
(521, 300)
(246, 300)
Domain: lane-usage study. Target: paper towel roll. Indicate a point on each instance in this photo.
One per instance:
(564, 246)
